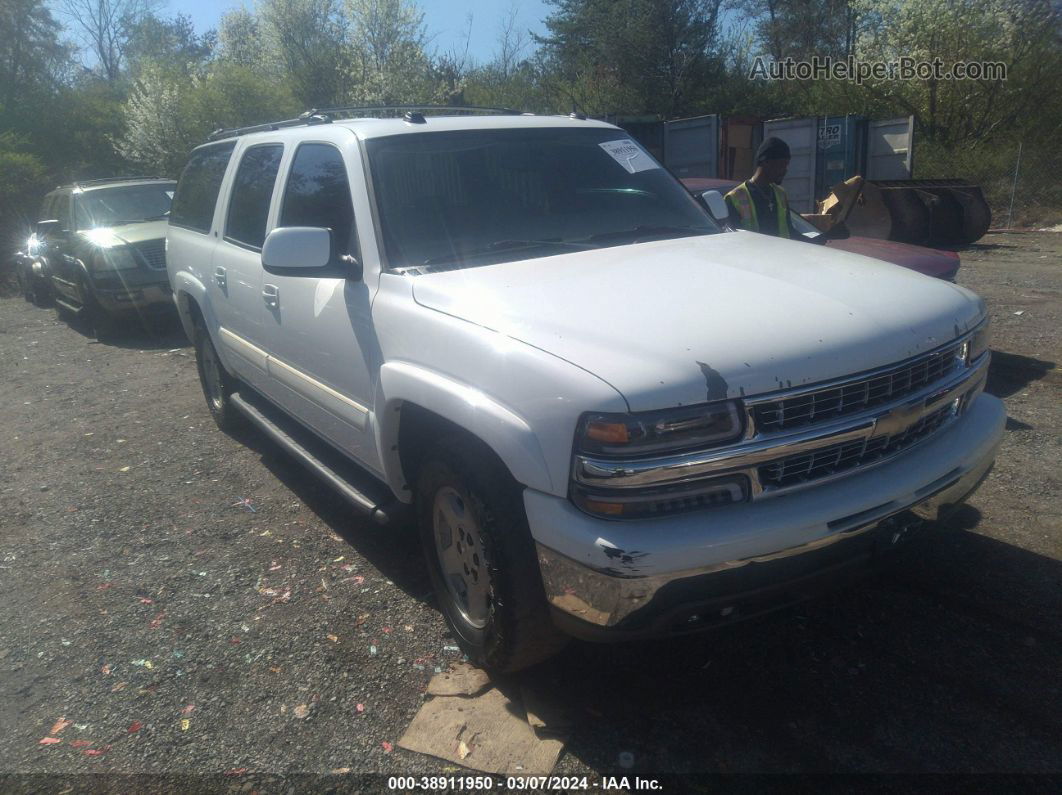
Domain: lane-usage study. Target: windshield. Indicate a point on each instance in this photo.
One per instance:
(115, 206)
(477, 197)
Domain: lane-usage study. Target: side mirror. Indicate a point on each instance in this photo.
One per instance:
(714, 202)
(297, 247)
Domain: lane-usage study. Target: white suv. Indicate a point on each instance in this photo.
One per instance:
(611, 418)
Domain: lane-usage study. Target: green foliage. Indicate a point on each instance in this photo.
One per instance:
(635, 56)
(162, 87)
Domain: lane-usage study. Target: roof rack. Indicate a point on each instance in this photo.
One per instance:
(88, 183)
(411, 113)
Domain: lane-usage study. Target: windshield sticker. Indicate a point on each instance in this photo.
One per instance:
(629, 155)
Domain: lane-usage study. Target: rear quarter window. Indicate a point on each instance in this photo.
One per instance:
(198, 187)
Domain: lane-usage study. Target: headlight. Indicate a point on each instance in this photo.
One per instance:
(659, 433)
(669, 430)
(977, 344)
(117, 258)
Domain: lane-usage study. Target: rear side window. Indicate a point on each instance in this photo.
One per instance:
(318, 194)
(48, 208)
(251, 191)
(62, 210)
(197, 189)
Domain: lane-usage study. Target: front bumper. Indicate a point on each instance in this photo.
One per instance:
(156, 297)
(620, 580)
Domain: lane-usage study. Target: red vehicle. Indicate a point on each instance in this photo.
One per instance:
(930, 261)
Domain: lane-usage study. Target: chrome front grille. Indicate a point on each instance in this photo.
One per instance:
(153, 252)
(826, 461)
(857, 395)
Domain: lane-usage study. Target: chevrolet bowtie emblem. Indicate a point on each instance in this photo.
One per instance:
(899, 419)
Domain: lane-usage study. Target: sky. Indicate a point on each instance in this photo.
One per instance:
(446, 20)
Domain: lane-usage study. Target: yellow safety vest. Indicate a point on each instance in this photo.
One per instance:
(742, 201)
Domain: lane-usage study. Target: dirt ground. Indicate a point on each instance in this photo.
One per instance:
(194, 603)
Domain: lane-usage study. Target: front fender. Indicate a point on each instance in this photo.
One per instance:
(187, 287)
(502, 429)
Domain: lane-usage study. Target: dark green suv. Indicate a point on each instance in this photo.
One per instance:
(102, 247)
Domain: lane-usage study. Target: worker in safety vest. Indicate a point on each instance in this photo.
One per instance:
(759, 204)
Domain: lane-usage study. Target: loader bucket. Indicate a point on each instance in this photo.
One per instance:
(923, 212)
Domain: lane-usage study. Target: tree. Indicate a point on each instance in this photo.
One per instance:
(105, 27)
(240, 38)
(308, 41)
(33, 60)
(642, 56)
(391, 64)
(165, 118)
(1022, 34)
(172, 41)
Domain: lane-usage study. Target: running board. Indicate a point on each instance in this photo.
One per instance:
(349, 480)
(71, 308)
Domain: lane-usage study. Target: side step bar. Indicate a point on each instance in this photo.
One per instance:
(382, 512)
(71, 308)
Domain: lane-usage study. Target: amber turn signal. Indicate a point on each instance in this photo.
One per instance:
(608, 432)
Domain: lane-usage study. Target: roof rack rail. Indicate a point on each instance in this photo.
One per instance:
(309, 117)
(412, 113)
(401, 110)
(85, 183)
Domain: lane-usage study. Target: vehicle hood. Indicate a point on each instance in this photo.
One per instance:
(941, 264)
(683, 321)
(126, 234)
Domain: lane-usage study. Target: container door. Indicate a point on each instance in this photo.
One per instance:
(802, 137)
(889, 148)
(840, 147)
(691, 146)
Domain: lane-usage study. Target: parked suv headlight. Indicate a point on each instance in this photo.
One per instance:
(117, 258)
(655, 433)
(670, 430)
(978, 343)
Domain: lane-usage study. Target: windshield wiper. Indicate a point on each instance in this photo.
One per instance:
(649, 231)
(502, 246)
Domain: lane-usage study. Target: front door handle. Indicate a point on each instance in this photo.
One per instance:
(271, 296)
(219, 277)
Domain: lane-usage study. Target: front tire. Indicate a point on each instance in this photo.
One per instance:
(482, 559)
(99, 322)
(217, 384)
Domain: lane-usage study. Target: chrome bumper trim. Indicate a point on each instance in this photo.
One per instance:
(746, 457)
(606, 599)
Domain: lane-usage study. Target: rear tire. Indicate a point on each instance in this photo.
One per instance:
(217, 384)
(482, 559)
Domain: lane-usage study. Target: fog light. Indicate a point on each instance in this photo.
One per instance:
(662, 501)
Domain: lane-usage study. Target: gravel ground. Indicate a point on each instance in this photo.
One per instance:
(194, 603)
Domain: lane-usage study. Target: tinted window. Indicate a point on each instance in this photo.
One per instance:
(62, 210)
(197, 190)
(318, 194)
(48, 208)
(251, 191)
(477, 197)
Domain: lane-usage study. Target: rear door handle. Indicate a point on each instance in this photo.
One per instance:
(271, 296)
(219, 277)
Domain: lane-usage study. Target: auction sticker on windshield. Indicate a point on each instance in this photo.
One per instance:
(629, 155)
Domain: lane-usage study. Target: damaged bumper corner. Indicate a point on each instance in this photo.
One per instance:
(619, 581)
